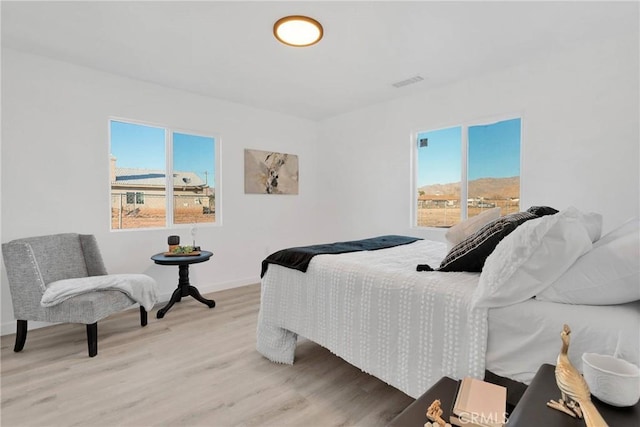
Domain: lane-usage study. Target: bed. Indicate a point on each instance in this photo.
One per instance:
(409, 328)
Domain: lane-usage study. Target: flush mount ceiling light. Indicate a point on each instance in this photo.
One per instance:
(297, 30)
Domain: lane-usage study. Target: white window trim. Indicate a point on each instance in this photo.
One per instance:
(464, 125)
(217, 175)
(168, 147)
(168, 182)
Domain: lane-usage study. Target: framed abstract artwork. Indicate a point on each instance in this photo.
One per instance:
(268, 172)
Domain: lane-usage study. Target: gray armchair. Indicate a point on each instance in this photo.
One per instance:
(34, 263)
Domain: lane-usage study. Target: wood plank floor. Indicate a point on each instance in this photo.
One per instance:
(195, 367)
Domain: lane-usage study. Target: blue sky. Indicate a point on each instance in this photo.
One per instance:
(195, 154)
(494, 151)
(142, 147)
(440, 161)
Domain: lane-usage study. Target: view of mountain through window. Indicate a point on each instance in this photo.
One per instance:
(141, 194)
(492, 165)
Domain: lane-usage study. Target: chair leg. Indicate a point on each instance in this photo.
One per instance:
(21, 335)
(143, 316)
(92, 338)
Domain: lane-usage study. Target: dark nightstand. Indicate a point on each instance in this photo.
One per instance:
(415, 415)
(532, 410)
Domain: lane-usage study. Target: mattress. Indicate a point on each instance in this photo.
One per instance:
(523, 336)
(374, 310)
(410, 328)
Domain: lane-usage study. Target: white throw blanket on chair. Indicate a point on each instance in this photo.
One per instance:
(139, 287)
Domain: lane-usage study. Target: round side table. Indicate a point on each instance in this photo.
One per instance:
(184, 287)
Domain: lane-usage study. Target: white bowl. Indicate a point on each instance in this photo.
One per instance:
(612, 380)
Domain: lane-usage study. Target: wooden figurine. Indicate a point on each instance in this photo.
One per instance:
(575, 396)
(434, 413)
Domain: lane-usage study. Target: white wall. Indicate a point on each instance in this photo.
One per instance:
(580, 142)
(580, 147)
(55, 175)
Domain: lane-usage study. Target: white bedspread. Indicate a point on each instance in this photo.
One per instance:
(523, 336)
(139, 287)
(375, 311)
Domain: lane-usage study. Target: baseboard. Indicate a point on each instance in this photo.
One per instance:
(205, 289)
(8, 328)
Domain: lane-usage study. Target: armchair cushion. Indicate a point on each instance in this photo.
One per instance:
(139, 287)
(85, 308)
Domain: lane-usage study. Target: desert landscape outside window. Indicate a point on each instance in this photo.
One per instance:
(147, 191)
(489, 156)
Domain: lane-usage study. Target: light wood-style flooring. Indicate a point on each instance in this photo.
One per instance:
(195, 367)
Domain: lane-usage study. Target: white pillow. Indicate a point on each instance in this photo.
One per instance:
(466, 228)
(608, 274)
(631, 226)
(532, 257)
(593, 223)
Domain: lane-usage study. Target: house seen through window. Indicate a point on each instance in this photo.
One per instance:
(135, 198)
(463, 170)
(147, 191)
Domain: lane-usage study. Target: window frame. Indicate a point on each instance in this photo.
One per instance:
(168, 169)
(464, 146)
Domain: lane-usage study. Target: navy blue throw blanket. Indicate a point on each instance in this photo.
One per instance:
(299, 258)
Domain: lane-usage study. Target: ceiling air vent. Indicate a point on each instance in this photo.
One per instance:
(409, 81)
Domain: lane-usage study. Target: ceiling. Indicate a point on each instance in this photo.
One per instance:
(226, 49)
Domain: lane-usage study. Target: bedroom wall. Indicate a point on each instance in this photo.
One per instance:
(55, 175)
(580, 141)
(580, 147)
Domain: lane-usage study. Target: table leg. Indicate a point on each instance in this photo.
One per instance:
(175, 297)
(194, 293)
(184, 289)
(183, 281)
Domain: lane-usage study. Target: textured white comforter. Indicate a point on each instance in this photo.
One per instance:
(375, 311)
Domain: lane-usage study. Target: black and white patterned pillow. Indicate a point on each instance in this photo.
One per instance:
(542, 210)
(471, 253)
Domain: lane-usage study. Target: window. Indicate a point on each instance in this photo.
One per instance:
(161, 177)
(464, 170)
(140, 198)
(135, 198)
